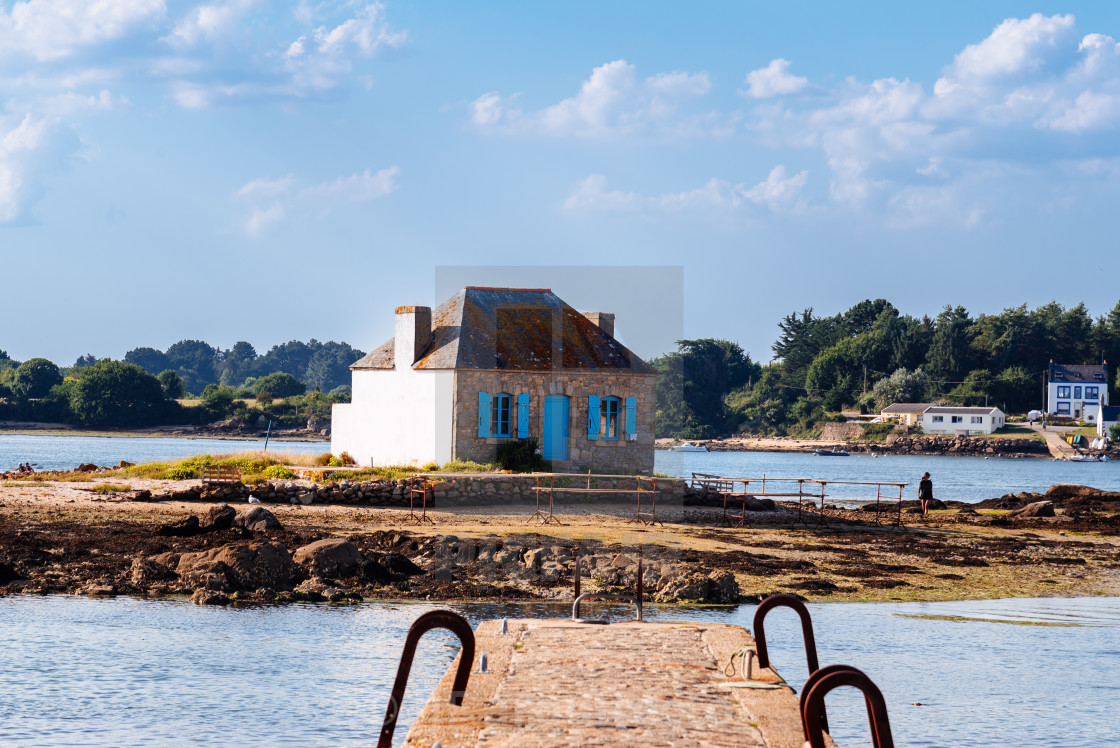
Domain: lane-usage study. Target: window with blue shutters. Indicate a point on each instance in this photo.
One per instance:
(523, 416)
(483, 415)
(593, 417)
(500, 414)
(608, 415)
(631, 416)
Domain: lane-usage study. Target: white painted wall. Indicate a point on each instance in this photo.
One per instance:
(1076, 404)
(395, 417)
(989, 423)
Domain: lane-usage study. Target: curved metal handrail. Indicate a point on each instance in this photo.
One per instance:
(605, 596)
(815, 678)
(834, 676)
(788, 601)
(435, 619)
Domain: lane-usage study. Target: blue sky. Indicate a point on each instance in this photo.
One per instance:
(243, 170)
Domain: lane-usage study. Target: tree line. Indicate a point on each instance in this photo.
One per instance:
(290, 384)
(870, 356)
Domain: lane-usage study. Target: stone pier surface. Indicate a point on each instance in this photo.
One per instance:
(565, 683)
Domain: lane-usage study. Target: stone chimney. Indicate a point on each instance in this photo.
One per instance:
(603, 320)
(413, 335)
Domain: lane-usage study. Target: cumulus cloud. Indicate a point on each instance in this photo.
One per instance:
(64, 61)
(779, 192)
(774, 80)
(273, 201)
(613, 102)
(55, 29)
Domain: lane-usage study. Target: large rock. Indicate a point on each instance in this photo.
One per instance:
(257, 518)
(147, 571)
(186, 528)
(1037, 509)
(332, 557)
(218, 518)
(698, 585)
(244, 565)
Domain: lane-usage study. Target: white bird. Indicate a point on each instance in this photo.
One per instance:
(253, 499)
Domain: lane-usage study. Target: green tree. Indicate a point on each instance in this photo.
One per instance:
(329, 367)
(34, 378)
(279, 384)
(217, 400)
(114, 393)
(172, 384)
(149, 359)
(696, 379)
(195, 361)
(949, 351)
(902, 386)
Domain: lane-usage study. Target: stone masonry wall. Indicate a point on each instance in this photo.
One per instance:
(607, 456)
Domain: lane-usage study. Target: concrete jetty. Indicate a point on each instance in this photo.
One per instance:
(567, 683)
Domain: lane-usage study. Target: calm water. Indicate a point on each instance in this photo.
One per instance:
(77, 671)
(67, 452)
(954, 478)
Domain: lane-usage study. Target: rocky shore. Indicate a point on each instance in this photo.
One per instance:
(65, 538)
(893, 444)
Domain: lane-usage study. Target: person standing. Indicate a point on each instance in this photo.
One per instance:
(925, 493)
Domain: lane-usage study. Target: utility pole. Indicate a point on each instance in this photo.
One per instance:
(865, 379)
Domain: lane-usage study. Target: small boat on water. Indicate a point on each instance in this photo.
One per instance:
(688, 447)
(832, 453)
(1088, 458)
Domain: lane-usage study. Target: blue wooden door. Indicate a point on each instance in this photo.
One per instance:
(555, 445)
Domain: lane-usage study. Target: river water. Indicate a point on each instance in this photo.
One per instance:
(53, 452)
(967, 479)
(76, 671)
(959, 478)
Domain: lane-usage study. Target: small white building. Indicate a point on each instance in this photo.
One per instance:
(1109, 417)
(908, 414)
(1076, 391)
(937, 419)
(495, 364)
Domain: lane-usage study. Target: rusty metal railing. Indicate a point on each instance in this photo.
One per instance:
(787, 601)
(637, 598)
(820, 683)
(434, 619)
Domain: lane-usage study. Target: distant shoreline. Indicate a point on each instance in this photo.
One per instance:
(23, 428)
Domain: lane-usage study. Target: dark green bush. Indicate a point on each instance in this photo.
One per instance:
(522, 456)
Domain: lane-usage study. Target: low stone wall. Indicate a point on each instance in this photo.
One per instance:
(482, 490)
(494, 490)
(965, 445)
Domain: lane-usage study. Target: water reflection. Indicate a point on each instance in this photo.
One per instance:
(85, 672)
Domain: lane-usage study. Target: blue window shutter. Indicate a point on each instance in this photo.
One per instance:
(523, 415)
(592, 417)
(631, 415)
(483, 414)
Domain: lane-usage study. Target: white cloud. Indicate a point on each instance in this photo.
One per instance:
(209, 22)
(778, 192)
(55, 29)
(774, 80)
(26, 150)
(274, 201)
(613, 102)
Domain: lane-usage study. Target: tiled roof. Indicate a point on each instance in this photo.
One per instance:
(960, 411)
(906, 407)
(1110, 413)
(510, 328)
(1092, 374)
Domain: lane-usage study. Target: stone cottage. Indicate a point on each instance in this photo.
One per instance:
(494, 364)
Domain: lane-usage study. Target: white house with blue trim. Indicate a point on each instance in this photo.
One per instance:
(1076, 391)
(494, 364)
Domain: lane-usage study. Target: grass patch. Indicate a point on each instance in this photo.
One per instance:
(26, 483)
(110, 488)
(251, 463)
(877, 432)
(969, 619)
